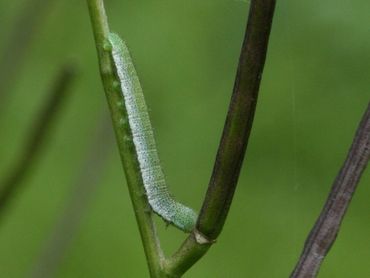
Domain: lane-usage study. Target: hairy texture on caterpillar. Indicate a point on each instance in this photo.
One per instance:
(152, 175)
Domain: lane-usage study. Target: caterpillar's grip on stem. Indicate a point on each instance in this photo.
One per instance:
(152, 175)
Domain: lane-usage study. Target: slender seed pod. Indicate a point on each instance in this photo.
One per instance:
(152, 175)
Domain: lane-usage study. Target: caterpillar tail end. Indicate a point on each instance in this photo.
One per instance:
(174, 213)
(185, 218)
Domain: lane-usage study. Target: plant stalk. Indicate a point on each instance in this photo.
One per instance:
(127, 152)
(234, 139)
(326, 228)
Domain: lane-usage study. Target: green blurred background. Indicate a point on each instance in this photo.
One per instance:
(314, 90)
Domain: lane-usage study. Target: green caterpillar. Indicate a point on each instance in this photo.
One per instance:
(152, 175)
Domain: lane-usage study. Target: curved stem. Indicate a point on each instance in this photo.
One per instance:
(239, 120)
(187, 255)
(130, 164)
(234, 140)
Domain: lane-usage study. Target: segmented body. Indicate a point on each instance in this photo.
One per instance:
(151, 172)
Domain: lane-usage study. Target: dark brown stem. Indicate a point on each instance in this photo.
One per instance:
(234, 140)
(36, 138)
(239, 120)
(326, 228)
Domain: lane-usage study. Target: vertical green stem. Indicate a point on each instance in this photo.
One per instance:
(124, 140)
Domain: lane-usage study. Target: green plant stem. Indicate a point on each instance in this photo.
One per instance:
(36, 138)
(234, 139)
(187, 255)
(127, 152)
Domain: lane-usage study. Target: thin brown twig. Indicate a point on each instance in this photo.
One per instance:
(326, 228)
(38, 133)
